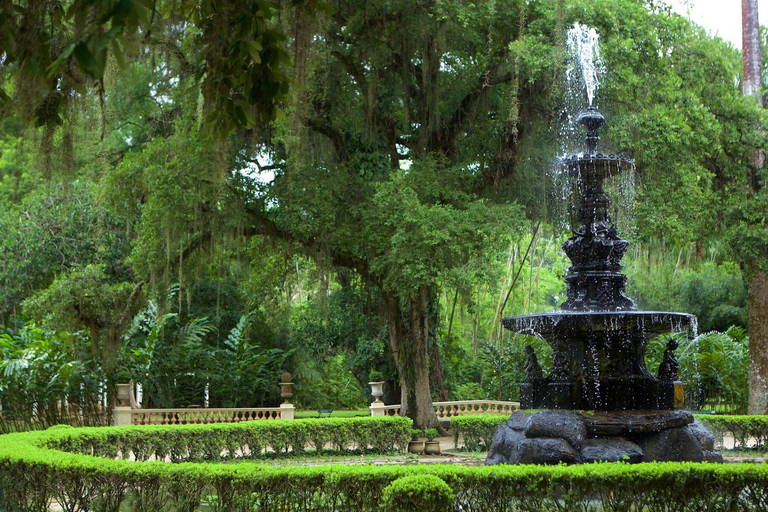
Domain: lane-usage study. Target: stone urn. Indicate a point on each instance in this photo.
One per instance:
(377, 389)
(123, 394)
(286, 387)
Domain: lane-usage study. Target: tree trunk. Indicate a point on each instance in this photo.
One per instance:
(438, 377)
(750, 36)
(758, 343)
(758, 288)
(408, 338)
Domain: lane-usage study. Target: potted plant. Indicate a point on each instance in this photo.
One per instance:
(416, 444)
(377, 385)
(431, 447)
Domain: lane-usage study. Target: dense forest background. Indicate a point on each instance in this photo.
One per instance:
(201, 196)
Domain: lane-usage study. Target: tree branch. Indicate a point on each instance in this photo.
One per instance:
(467, 109)
(267, 227)
(324, 127)
(186, 66)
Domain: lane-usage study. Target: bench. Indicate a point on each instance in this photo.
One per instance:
(327, 413)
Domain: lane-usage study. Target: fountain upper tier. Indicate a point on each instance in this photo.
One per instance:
(595, 281)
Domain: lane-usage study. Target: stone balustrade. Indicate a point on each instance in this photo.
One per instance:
(445, 410)
(195, 415)
(199, 415)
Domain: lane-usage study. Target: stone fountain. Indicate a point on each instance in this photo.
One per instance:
(599, 401)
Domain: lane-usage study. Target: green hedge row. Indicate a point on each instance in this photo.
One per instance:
(211, 442)
(32, 475)
(475, 430)
(747, 431)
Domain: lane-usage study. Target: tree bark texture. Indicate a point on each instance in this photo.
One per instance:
(750, 36)
(758, 343)
(758, 287)
(409, 336)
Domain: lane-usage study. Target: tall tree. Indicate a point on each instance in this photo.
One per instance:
(758, 289)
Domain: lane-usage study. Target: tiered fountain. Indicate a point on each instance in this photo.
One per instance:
(601, 402)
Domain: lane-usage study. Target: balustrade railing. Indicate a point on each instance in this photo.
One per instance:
(202, 415)
(445, 410)
(195, 415)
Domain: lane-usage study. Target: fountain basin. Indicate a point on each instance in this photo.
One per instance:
(598, 360)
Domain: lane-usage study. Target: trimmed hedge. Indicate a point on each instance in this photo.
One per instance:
(181, 443)
(32, 474)
(475, 429)
(418, 493)
(743, 429)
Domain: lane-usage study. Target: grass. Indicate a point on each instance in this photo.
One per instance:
(353, 413)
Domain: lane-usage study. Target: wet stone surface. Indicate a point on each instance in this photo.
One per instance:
(557, 424)
(634, 422)
(611, 450)
(553, 437)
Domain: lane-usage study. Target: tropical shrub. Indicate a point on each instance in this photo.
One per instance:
(47, 378)
(713, 368)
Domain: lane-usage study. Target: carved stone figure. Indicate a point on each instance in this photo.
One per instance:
(669, 363)
(532, 369)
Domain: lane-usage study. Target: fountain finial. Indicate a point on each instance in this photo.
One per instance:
(592, 120)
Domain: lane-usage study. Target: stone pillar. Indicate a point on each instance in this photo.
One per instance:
(377, 408)
(121, 416)
(286, 411)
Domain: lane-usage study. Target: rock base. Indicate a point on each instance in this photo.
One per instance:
(553, 437)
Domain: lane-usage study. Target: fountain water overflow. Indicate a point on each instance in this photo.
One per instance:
(601, 402)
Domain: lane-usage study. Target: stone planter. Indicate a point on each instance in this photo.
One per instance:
(432, 447)
(123, 395)
(377, 389)
(415, 446)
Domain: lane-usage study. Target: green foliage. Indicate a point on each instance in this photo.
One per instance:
(39, 372)
(662, 280)
(749, 432)
(713, 367)
(416, 434)
(34, 470)
(173, 361)
(50, 231)
(431, 434)
(250, 440)
(417, 493)
(71, 46)
(475, 429)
